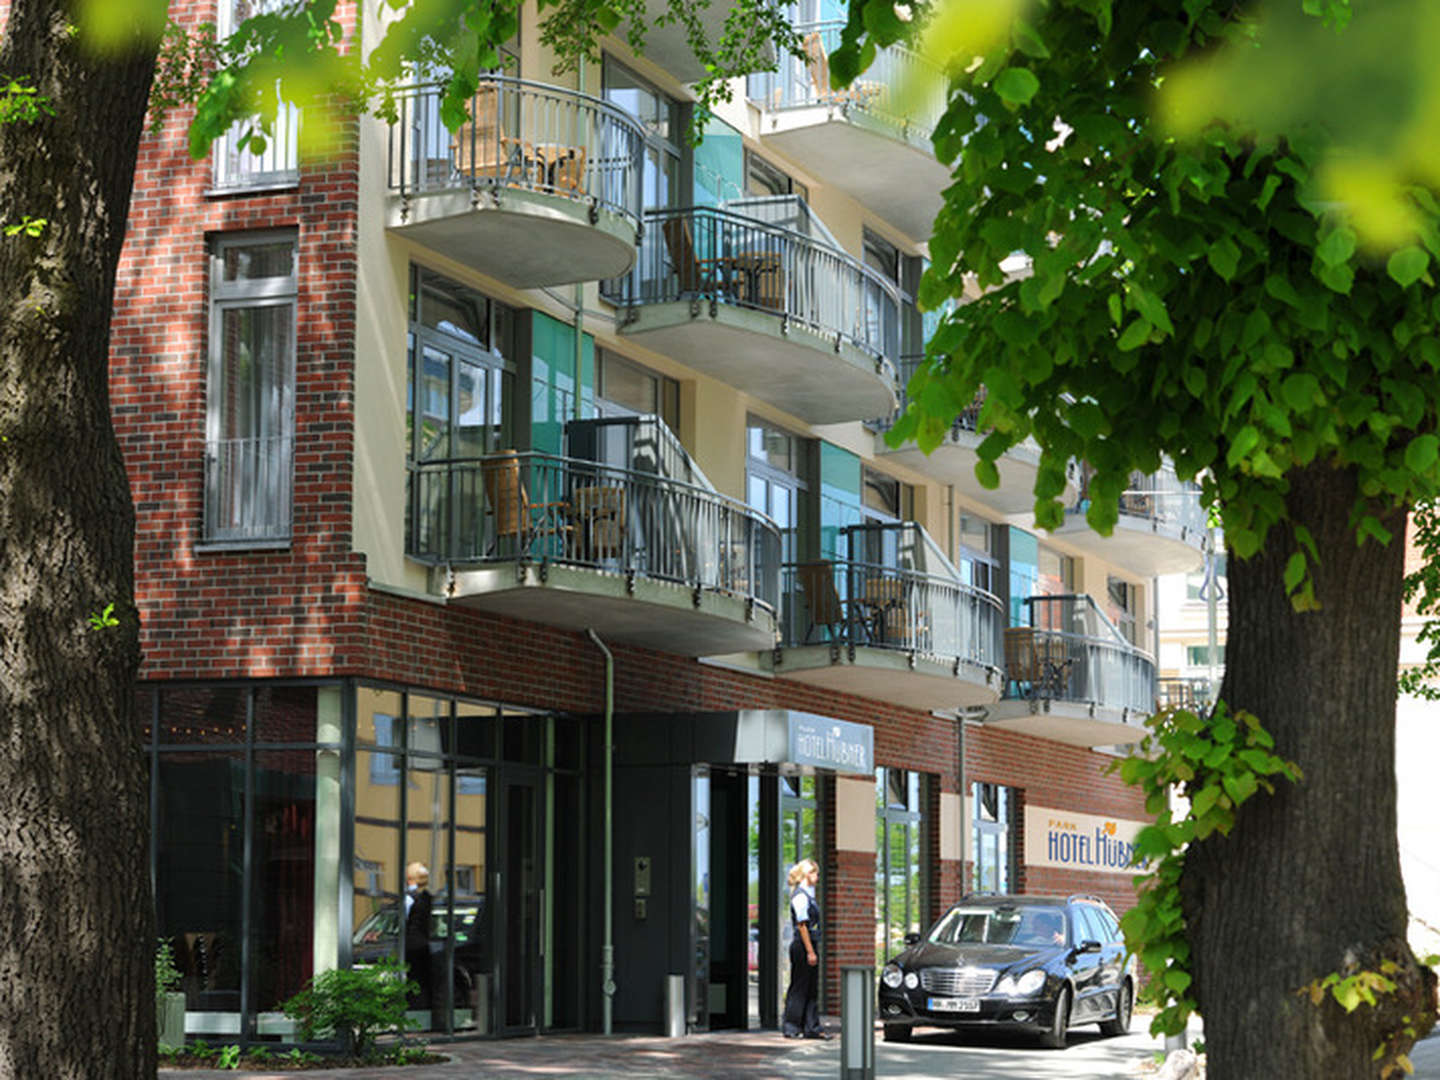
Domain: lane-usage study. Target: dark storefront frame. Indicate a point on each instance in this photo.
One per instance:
(556, 788)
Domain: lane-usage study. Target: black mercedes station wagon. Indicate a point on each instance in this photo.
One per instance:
(1031, 963)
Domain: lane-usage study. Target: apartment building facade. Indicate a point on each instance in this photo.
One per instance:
(515, 501)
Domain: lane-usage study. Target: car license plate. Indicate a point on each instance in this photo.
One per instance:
(954, 1004)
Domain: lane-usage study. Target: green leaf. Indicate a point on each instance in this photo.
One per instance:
(1301, 391)
(1407, 265)
(1027, 39)
(1224, 257)
(1016, 86)
(1135, 335)
(1176, 979)
(1294, 571)
(1337, 247)
(987, 474)
(1420, 455)
(1245, 441)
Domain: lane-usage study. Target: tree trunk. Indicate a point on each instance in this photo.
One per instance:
(1308, 882)
(76, 916)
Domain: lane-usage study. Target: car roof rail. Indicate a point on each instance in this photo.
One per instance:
(1087, 897)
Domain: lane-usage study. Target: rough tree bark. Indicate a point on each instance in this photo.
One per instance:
(1309, 882)
(76, 920)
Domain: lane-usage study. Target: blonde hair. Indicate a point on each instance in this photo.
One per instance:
(800, 871)
(416, 874)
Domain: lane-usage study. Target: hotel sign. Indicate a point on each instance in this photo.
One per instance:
(1069, 841)
(831, 744)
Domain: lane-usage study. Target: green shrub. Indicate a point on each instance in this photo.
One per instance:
(229, 1058)
(167, 975)
(354, 1005)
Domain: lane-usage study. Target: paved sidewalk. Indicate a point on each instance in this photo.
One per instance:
(716, 1056)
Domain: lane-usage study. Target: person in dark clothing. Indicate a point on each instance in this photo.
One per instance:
(417, 930)
(802, 1006)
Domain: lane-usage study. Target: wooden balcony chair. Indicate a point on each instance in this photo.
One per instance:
(696, 275)
(518, 521)
(599, 510)
(836, 616)
(481, 150)
(1036, 662)
(889, 601)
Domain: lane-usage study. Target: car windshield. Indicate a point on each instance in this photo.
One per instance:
(1000, 926)
(384, 925)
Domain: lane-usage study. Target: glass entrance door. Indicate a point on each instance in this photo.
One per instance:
(521, 893)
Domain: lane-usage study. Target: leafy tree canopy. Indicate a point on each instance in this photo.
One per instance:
(1199, 290)
(297, 51)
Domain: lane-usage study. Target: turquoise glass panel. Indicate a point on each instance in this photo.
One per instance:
(552, 390)
(719, 165)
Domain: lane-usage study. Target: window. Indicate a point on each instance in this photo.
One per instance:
(627, 389)
(1199, 655)
(974, 557)
(659, 115)
(763, 178)
(772, 480)
(1122, 606)
(901, 885)
(459, 407)
(1057, 573)
(994, 824)
(250, 424)
(885, 498)
(278, 164)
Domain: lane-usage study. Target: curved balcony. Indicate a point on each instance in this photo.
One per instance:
(953, 461)
(1072, 677)
(772, 312)
(539, 186)
(920, 639)
(1162, 527)
(644, 559)
(871, 140)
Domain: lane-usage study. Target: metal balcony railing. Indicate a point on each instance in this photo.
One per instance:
(521, 134)
(901, 92)
(1180, 693)
(541, 508)
(1072, 652)
(704, 252)
(248, 485)
(1161, 498)
(844, 602)
(278, 165)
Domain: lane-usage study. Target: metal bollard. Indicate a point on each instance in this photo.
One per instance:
(857, 1023)
(674, 1006)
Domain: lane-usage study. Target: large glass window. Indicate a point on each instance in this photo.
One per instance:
(246, 847)
(659, 115)
(762, 179)
(975, 554)
(1122, 605)
(994, 818)
(628, 389)
(460, 406)
(884, 498)
(277, 164)
(799, 839)
(773, 482)
(250, 422)
(900, 866)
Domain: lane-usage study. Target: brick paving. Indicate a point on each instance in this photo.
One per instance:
(719, 1056)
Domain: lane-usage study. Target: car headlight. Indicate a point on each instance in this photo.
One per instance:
(1024, 986)
(891, 976)
(911, 980)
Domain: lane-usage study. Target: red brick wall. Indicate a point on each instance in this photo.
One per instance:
(204, 613)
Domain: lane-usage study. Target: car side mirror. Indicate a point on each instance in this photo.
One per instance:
(1089, 945)
(912, 939)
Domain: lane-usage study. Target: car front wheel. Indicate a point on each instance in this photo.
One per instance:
(1120, 1024)
(897, 1032)
(1060, 1024)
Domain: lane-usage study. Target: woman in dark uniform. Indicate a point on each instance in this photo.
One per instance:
(802, 1007)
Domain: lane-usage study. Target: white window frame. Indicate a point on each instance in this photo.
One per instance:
(235, 168)
(274, 528)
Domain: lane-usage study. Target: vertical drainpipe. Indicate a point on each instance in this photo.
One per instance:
(607, 945)
(579, 300)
